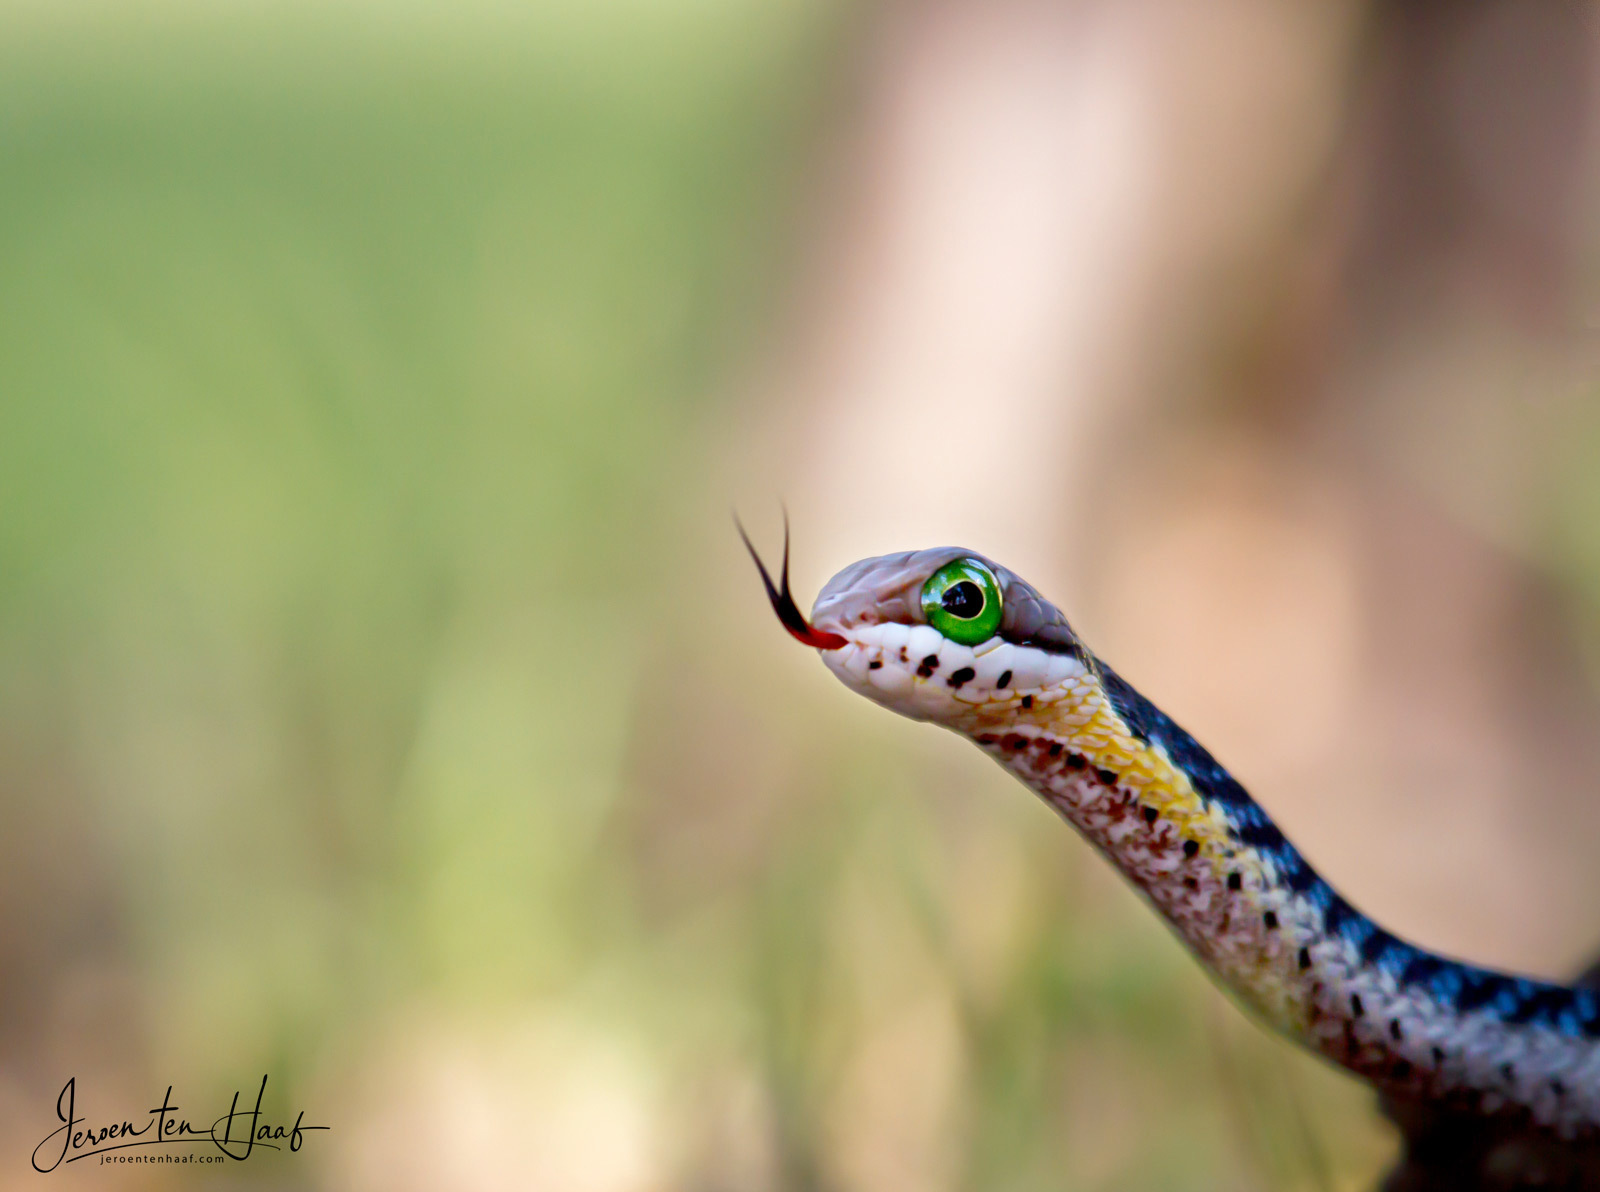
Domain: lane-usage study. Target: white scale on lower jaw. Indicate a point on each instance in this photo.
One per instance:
(891, 636)
(994, 663)
(953, 656)
(1046, 676)
(925, 640)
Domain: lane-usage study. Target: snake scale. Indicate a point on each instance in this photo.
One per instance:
(949, 636)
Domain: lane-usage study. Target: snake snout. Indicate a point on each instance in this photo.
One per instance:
(880, 591)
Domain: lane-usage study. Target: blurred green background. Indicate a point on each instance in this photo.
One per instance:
(385, 705)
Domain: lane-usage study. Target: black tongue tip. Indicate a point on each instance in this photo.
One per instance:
(789, 614)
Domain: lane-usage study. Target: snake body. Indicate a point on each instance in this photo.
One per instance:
(1186, 834)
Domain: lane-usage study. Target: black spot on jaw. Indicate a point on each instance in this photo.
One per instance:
(1305, 959)
(964, 675)
(1151, 815)
(1438, 1055)
(1235, 881)
(876, 665)
(1395, 1032)
(1004, 680)
(931, 662)
(1270, 918)
(1109, 777)
(1027, 701)
(1055, 748)
(1191, 847)
(1355, 1005)
(1075, 761)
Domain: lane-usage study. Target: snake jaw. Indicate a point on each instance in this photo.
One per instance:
(782, 599)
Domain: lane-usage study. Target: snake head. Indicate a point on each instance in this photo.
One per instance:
(942, 634)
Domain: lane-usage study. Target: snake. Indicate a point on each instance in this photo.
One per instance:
(953, 638)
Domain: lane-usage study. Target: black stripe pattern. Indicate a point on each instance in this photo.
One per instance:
(1463, 987)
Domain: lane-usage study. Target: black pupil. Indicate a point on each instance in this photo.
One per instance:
(964, 600)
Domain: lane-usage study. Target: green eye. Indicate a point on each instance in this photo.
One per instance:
(962, 601)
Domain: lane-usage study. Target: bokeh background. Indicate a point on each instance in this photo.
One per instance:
(386, 703)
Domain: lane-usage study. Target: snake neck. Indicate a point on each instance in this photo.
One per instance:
(1213, 863)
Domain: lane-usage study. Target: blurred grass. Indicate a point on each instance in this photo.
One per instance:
(347, 358)
(358, 374)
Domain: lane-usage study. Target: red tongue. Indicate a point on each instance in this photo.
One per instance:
(820, 638)
(783, 602)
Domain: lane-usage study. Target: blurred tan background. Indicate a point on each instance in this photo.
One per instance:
(386, 703)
